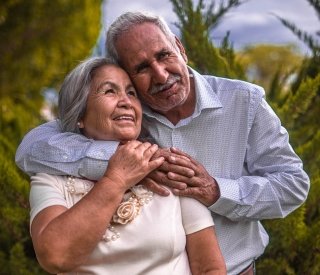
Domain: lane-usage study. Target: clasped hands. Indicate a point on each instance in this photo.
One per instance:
(184, 176)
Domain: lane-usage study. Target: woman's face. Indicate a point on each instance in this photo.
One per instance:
(113, 110)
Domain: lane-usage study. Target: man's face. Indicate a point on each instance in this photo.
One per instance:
(157, 69)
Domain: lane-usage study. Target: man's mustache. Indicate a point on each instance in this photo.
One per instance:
(160, 87)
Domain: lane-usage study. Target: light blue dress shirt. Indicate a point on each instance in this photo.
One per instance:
(233, 132)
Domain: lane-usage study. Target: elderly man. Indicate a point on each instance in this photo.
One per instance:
(244, 169)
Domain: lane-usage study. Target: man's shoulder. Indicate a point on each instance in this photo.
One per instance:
(222, 84)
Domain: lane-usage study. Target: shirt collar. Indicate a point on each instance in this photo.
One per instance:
(206, 96)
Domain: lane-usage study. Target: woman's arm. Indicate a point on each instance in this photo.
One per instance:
(64, 238)
(204, 253)
(203, 250)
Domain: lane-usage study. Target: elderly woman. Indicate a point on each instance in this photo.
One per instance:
(114, 225)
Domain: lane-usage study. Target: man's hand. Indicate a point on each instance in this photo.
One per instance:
(157, 181)
(185, 176)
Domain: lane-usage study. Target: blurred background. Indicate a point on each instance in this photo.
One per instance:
(275, 44)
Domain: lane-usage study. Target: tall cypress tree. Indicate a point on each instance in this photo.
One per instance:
(196, 23)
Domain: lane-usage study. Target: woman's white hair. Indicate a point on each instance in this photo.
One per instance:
(74, 92)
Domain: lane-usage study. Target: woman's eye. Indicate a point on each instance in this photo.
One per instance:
(108, 91)
(132, 93)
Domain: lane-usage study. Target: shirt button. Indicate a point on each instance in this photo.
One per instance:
(65, 156)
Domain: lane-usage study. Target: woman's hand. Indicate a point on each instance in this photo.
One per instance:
(59, 243)
(132, 162)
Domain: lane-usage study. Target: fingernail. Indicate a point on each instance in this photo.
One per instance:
(191, 173)
(182, 186)
(175, 191)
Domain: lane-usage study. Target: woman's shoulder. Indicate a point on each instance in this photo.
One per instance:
(70, 183)
(44, 178)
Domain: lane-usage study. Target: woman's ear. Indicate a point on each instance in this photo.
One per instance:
(80, 124)
(181, 49)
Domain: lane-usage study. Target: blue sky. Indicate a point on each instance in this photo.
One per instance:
(250, 23)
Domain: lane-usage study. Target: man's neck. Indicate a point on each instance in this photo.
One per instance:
(186, 109)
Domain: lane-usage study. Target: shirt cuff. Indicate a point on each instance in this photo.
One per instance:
(229, 194)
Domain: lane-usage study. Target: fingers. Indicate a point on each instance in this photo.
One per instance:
(190, 181)
(195, 193)
(161, 178)
(153, 164)
(207, 195)
(154, 187)
(177, 169)
(150, 150)
(142, 149)
(180, 153)
(188, 192)
(163, 152)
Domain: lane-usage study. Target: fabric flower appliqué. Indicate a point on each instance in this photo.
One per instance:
(128, 209)
(131, 205)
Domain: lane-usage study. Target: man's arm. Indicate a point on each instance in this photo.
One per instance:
(273, 183)
(46, 149)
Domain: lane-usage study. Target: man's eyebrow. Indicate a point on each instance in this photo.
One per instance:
(145, 63)
(163, 50)
(141, 65)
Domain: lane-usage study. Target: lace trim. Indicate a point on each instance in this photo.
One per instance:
(78, 187)
(127, 211)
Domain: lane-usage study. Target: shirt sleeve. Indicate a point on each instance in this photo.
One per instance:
(273, 182)
(46, 149)
(45, 191)
(195, 216)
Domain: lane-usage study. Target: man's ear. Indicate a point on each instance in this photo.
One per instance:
(181, 49)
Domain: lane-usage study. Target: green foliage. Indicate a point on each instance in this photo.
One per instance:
(269, 65)
(299, 102)
(195, 24)
(299, 112)
(39, 42)
(14, 214)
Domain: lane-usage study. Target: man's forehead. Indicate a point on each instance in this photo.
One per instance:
(141, 36)
(136, 49)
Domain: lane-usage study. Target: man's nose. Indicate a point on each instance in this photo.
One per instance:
(159, 73)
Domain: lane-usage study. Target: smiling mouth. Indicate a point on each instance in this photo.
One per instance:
(124, 118)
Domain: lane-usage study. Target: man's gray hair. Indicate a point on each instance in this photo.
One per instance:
(74, 92)
(128, 20)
